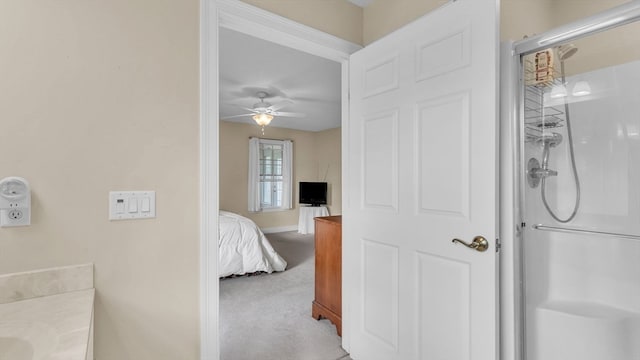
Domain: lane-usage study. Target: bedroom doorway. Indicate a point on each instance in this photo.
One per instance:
(303, 92)
(236, 16)
(273, 308)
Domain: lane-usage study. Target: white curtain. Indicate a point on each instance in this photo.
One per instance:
(254, 175)
(287, 174)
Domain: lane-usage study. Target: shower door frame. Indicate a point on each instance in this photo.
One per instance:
(513, 162)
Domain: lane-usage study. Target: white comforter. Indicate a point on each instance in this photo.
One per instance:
(244, 249)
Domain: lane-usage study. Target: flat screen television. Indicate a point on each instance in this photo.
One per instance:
(313, 193)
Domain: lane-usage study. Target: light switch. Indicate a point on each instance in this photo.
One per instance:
(133, 205)
(126, 205)
(145, 205)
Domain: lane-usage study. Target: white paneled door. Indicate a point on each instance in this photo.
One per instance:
(421, 171)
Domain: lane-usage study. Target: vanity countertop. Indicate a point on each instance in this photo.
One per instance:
(55, 326)
(47, 314)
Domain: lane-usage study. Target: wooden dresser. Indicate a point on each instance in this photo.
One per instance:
(328, 298)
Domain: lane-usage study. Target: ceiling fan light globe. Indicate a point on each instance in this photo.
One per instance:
(262, 119)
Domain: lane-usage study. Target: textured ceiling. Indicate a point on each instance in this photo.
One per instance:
(306, 83)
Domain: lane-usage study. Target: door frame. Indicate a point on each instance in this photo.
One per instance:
(250, 20)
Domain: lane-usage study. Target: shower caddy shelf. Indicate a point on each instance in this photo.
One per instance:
(538, 118)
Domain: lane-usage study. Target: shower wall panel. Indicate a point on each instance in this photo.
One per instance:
(586, 287)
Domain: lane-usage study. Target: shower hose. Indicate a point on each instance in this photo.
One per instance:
(545, 157)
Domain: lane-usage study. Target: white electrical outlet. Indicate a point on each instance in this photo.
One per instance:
(15, 217)
(15, 214)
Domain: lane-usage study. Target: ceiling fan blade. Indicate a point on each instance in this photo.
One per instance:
(236, 116)
(252, 91)
(280, 105)
(291, 114)
(242, 107)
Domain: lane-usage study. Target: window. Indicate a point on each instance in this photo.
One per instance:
(270, 174)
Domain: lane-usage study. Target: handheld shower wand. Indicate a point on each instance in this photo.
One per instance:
(547, 143)
(564, 52)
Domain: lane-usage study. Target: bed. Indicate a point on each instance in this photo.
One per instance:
(244, 249)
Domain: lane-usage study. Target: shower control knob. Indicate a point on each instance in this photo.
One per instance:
(479, 243)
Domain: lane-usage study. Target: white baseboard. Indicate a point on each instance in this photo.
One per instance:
(280, 229)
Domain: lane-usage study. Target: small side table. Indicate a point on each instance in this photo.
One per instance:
(305, 220)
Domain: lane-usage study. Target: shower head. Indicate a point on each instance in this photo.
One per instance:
(566, 51)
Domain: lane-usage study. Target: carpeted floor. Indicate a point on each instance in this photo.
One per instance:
(268, 316)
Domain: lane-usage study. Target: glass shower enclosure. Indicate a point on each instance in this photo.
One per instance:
(579, 191)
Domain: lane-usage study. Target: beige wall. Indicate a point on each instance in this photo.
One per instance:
(613, 47)
(566, 11)
(384, 16)
(529, 17)
(336, 17)
(328, 151)
(520, 18)
(313, 152)
(98, 96)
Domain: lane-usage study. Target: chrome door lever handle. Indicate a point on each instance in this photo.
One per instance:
(479, 243)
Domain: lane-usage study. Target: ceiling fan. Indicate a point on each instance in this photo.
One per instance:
(263, 112)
